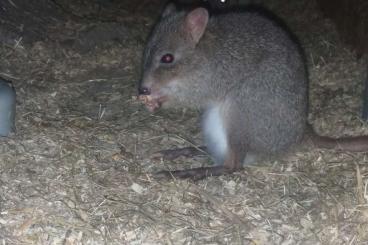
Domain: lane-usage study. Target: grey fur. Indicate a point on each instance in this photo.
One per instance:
(244, 62)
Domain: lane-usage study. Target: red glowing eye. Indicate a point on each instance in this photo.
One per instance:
(167, 58)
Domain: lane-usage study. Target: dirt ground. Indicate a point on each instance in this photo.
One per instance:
(78, 169)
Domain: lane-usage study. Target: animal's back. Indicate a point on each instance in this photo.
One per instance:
(259, 73)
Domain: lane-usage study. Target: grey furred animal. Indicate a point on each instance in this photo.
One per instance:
(242, 69)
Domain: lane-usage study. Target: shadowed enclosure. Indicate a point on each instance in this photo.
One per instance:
(79, 169)
(351, 19)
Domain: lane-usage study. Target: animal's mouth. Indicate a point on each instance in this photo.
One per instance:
(152, 102)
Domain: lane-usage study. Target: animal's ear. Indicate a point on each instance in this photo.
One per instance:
(169, 9)
(195, 23)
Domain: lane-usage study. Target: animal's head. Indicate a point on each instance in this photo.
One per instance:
(170, 56)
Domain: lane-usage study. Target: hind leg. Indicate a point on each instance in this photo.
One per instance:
(233, 162)
(224, 144)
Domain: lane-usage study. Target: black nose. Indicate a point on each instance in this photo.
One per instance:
(144, 91)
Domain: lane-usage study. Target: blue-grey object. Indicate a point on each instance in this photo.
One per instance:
(7, 107)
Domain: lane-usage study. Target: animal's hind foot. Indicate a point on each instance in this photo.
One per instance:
(195, 173)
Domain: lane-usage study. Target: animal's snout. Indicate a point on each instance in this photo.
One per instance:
(144, 90)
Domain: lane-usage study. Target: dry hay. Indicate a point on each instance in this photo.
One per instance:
(78, 171)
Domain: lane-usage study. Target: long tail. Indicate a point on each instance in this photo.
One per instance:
(352, 144)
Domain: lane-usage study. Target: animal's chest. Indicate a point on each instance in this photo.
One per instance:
(214, 130)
